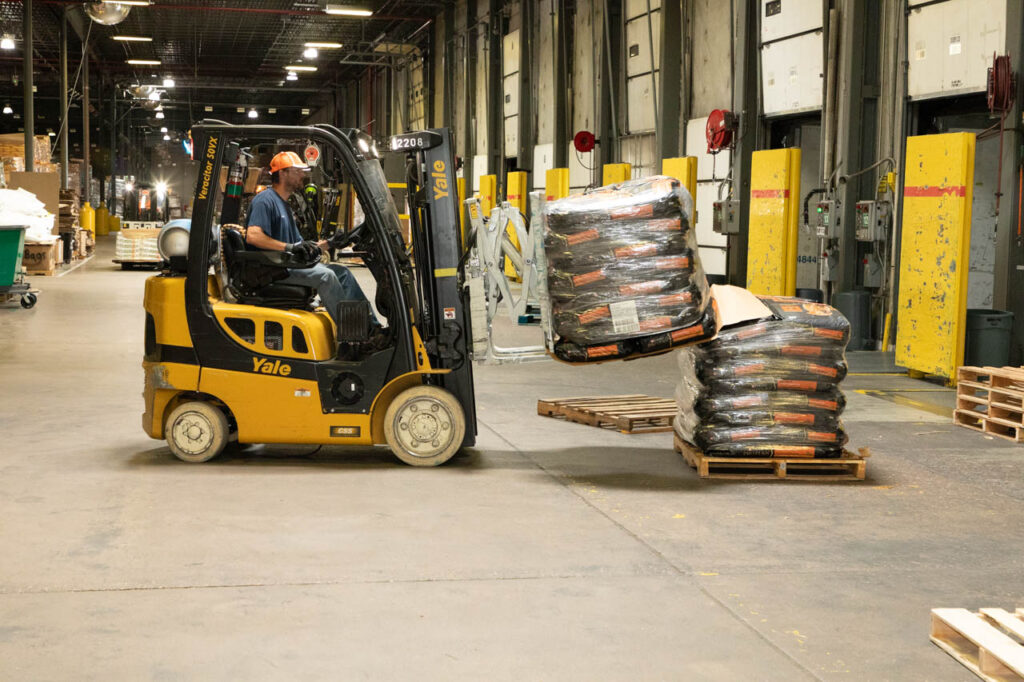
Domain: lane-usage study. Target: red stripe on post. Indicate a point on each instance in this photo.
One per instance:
(936, 191)
(769, 194)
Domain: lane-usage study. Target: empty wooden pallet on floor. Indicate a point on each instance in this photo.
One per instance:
(988, 642)
(991, 400)
(625, 413)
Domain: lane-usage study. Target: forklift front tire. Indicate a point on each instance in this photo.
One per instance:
(197, 431)
(424, 425)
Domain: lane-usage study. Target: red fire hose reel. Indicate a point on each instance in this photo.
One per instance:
(719, 131)
(584, 141)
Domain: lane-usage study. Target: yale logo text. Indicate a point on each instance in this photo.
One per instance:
(440, 180)
(264, 366)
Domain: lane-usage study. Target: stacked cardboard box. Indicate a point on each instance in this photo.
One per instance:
(67, 218)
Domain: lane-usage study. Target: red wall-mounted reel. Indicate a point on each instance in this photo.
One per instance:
(719, 130)
(584, 141)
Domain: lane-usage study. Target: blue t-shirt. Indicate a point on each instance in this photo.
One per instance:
(273, 215)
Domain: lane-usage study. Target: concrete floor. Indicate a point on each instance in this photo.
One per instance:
(552, 551)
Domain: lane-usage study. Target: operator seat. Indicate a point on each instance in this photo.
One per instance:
(253, 276)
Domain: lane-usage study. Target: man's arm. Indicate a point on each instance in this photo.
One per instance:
(255, 235)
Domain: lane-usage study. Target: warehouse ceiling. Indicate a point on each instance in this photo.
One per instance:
(221, 54)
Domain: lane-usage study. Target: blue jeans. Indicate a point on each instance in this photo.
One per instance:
(334, 283)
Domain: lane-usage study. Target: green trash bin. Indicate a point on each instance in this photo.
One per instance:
(12, 247)
(987, 343)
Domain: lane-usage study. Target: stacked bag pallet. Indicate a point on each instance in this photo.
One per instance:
(769, 388)
(624, 275)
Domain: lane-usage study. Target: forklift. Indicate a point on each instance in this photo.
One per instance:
(233, 356)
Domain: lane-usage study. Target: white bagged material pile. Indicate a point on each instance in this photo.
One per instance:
(20, 207)
(624, 274)
(768, 388)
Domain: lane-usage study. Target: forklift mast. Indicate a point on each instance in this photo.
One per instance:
(443, 295)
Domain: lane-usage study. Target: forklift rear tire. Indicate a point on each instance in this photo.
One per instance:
(424, 426)
(197, 431)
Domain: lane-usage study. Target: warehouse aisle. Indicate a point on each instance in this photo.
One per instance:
(551, 551)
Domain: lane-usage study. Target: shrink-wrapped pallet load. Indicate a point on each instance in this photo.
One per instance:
(768, 388)
(624, 275)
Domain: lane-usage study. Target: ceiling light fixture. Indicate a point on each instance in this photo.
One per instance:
(292, 76)
(207, 108)
(305, 112)
(133, 39)
(159, 114)
(310, 53)
(240, 110)
(154, 96)
(8, 109)
(164, 129)
(345, 10)
(144, 62)
(168, 82)
(253, 113)
(133, 3)
(167, 138)
(299, 67)
(271, 110)
(7, 43)
(324, 46)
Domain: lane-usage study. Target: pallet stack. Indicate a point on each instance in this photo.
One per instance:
(991, 400)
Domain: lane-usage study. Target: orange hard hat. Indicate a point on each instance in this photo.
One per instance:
(287, 160)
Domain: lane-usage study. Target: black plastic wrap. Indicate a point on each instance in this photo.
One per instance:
(768, 388)
(624, 277)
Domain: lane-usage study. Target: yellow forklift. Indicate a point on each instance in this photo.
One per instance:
(234, 356)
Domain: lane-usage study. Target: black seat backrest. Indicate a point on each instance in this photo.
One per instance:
(246, 277)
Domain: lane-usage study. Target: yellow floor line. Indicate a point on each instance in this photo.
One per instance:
(909, 402)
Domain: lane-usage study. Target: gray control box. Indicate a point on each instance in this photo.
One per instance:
(725, 217)
(825, 219)
(872, 220)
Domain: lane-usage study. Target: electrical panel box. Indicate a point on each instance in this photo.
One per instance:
(826, 218)
(830, 265)
(872, 271)
(725, 217)
(872, 220)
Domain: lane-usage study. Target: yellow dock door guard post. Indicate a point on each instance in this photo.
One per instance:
(516, 191)
(616, 172)
(774, 209)
(684, 169)
(556, 183)
(934, 252)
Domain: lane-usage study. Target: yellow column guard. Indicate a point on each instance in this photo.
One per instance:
(774, 209)
(683, 169)
(616, 172)
(934, 252)
(516, 193)
(556, 183)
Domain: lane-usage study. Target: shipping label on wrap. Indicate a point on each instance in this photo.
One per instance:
(624, 317)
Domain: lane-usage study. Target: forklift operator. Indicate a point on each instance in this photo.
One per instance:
(271, 227)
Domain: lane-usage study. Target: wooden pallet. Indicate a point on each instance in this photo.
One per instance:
(625, 413)
(849, 467)
(988, 643)
(991, 400)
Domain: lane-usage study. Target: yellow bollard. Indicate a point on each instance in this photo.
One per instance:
(616, 172)
(774, 208)
(87, 218)
(516, 190)
(556, 183)
(101, 220)
(113, 223)
(488, 193)
(683, 169)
